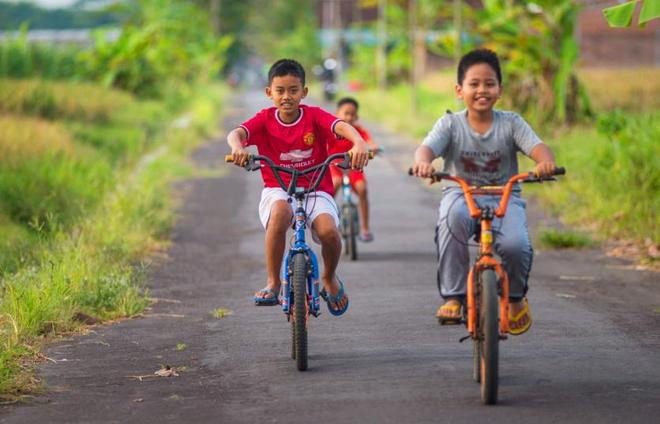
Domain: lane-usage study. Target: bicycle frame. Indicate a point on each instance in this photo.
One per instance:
(346, 189)
(301, 247)
(299, 226)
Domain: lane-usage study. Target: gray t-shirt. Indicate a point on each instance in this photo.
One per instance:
(488, 159)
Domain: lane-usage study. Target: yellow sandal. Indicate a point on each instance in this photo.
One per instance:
(450, 312)
(512, 320)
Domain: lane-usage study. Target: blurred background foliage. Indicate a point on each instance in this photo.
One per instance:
(82, 200)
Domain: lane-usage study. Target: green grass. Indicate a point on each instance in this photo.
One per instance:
(221, 313)
(119, 211)
(393, 108)
(558, 239)
(612, 185)
(76, 101)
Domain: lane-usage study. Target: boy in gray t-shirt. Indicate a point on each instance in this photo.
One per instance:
(480, 145)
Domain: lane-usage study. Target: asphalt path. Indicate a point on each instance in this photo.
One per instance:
(592, 356)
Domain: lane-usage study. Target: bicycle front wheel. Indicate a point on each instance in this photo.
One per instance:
(490, 336)
(350, 230)
(299, 286)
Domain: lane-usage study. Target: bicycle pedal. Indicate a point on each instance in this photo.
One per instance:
(450, 321)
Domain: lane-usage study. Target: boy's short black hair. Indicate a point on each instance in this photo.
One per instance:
(348, 101)
(284, 67)
(475, 57)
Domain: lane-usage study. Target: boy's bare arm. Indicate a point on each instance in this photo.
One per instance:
(235, 139)
(422, 166)
(360, 150)
(545, 160)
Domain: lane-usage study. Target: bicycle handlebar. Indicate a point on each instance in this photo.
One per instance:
(504, 191)
(252, 165)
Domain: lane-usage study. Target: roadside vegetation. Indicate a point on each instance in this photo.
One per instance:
(612, 184)
(89, 147)
(603, 124)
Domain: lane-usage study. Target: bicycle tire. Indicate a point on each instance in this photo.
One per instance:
(299, 280)
(353, 226)
(476, 360)
(293, 339)
(489, 328)
(345, 228)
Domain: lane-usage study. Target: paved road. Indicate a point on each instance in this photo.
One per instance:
(593, 354)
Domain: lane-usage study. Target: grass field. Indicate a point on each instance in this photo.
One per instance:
(80, 209)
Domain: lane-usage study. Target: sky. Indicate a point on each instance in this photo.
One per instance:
(52, 3)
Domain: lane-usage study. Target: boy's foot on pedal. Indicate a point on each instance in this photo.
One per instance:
(520, 317)
(268, 296)
(450, 311)
(335, 296)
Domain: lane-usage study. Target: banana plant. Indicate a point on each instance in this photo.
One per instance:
(535, 42)
(621, 15)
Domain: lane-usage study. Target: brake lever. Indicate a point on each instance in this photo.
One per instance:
(252, 165)
(346, 164)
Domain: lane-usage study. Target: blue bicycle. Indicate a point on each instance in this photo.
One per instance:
(300, 271)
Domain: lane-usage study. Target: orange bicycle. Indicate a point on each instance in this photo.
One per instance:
(487, 316)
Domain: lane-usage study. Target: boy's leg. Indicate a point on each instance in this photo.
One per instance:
(454, 228)
(279, 221)
(325, 226)
(513, 245)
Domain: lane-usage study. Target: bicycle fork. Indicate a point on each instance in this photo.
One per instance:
(312, 268)
(484, 262)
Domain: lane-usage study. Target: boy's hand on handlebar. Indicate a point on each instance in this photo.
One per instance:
(423, 169)
(544, 169)
(240, 157)
(359, 157)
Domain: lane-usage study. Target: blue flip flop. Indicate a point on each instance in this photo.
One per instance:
(330, 300)
(266, 301)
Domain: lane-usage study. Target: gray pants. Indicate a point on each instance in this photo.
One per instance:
(455, 228)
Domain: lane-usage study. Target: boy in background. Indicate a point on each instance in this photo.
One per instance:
(347, 110)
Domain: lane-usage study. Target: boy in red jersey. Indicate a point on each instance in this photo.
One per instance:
(296, 136)
(347, 110)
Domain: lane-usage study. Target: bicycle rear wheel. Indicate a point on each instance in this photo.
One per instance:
(490, 336)
(299, 286)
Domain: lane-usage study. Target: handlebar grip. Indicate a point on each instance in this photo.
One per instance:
(371, 154)
(560, 170)
(229, 158)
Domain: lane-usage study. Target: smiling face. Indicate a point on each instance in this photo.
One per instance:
(348, 113)
(287, 92)
(480, 88)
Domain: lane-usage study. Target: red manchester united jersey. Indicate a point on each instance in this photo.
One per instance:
(298, 145)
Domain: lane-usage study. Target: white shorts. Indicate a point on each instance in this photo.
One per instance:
(316, 203)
